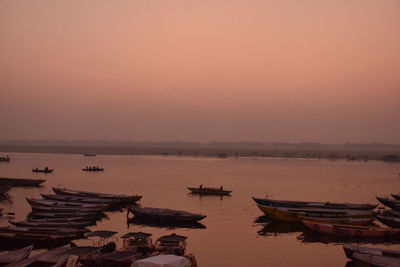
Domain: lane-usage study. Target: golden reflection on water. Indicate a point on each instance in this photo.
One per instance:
(234, 232)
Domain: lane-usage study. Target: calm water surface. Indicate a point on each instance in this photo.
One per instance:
(234, 233)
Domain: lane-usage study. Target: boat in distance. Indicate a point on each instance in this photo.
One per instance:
(209, 191)
(45, 170)
(93, 169)
(120, 198)
(164, 214)
(291, 214)
(350, 230)
(21, 181)
(304, 204)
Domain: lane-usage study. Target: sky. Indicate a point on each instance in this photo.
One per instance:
(228, 70)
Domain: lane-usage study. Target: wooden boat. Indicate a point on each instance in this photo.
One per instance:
(393, 213)
(15, 256)
(396, 196)
(89, 155)
(69, 204)
(348, 230)
(171, 244)
(95, 169)
(389, 221)
(66, 224)
(5, 159)
(349, 221)
(21, 182)
(63, 220)
(137, 242)
(209, 191)
(88, 200)
(65, 215)
(39, 239)
(373, 260)
(391, 203)
(309, 204)
(291, 214)
(121, 198)
(164, 214)
(42, 230)
(45, 170)
(4, 189)
(350, 249)
(57, 209)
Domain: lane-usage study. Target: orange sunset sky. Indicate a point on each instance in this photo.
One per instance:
(270, 70)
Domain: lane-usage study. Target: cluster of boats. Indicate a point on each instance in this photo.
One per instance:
(61, 217)
(338, 219)
(138, 249)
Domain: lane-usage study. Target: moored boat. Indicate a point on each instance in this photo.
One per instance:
(21, 181)
(396, 196)
(391, 203)
(15, 256)
(4, 189)
(121, 198)
(291, 214)
(42, 230)
(58, 209)
(137, 242)
(349, 221)
(171, 244)
(309, 204)
(93, 169)
(64, 224)
(69, 204)
(389, 221)
(164, 214)
(348, 230)
(88, 200)
(350, 249)
(373, 260)
(209, 191)
(45, 170)
(65, 215)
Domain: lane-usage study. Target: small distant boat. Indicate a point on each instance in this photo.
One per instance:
(349, 250)
(309, 204)
(21, 182)
(45, 170)
(15, 256)
(120, 198)
(209, 191)
(89, 155)
(389, 221)
(164, 214)
(171, 244)
(347, 230)
(5, 159)
(93, 169)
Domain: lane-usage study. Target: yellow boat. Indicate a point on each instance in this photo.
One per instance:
(291, 214)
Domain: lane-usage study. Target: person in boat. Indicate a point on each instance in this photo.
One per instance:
(46, 168)
(201, 186)
(221, 188)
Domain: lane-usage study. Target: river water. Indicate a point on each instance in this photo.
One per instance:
(234, 232)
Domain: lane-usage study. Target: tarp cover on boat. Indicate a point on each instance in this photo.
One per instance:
(163, 261)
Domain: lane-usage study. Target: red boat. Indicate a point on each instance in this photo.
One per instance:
(349, 230)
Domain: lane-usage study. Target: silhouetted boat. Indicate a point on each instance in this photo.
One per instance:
(88, 216)
(120, 198)
(57, 209)
(20, 182)
(291, 214)
(166, 224)
(63, 220)
(94, 169)
(391, 203)
(64, 224)
(389, 221)
(34, 202)
(350, 249)
(349, 221)
(209, 191)
(88, 200)
(164, 214)
(42, 230)
(45, 170)
(373, 260)
(396, 196)
(5, 159)
(56, 257)
(309, 204)
(15, 256)
(348, 230)
(89, 155)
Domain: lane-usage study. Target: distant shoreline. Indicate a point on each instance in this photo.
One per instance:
(390, 155)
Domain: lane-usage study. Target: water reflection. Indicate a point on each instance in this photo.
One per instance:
(168, 225)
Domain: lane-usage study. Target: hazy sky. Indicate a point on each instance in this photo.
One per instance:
(227, 70)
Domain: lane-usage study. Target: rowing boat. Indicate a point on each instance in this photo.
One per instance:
(309, 204)
(373, 260)
(391, 203)
(65, 215)
(350, 249)
(65, 224)
(164, 214)
(349, 221)
(209, 191)
(389, 221)
(349, 230)
(57, 209)
(88, 200)
(42, 230)
(291, 214)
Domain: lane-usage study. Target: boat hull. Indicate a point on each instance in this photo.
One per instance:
(209, 191)
(165, 214)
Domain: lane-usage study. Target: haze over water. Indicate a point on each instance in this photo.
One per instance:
(232, 236)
